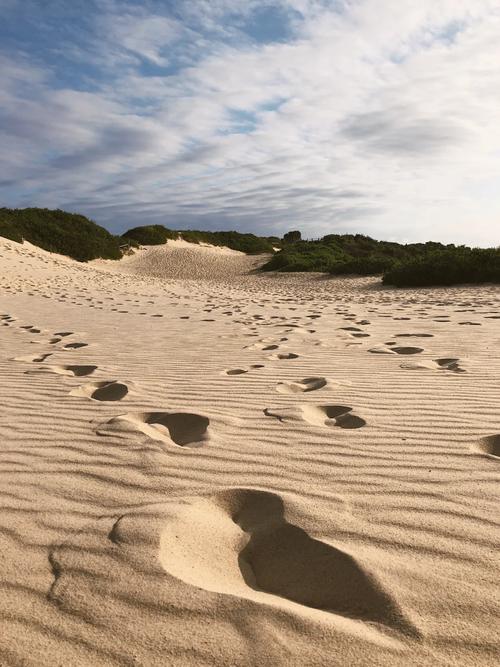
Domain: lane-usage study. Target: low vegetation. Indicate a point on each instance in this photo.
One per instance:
(449, 266)
(410, 265)
(337, 253)
(57, 231)
(158, 234)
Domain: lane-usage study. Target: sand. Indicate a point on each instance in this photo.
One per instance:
(204, 465)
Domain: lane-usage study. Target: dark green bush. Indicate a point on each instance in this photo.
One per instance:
(9, 230)
(305, 256)
(248, 243)
(450, 266)
(351, 253)
(150, 235)
(292, 237)
(363, 266)
(57, 231)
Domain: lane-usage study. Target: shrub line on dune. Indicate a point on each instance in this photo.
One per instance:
(401, 265)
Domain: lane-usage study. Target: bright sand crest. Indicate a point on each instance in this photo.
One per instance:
(204, 465)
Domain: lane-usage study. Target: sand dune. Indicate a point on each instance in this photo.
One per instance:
(204, 465)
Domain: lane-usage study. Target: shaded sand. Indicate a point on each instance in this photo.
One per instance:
(204, 465)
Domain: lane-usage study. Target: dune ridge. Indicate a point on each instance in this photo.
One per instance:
(210, 466)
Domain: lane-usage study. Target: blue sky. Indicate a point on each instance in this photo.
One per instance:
(371, 116)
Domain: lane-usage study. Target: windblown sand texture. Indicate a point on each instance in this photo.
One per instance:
(203, 465)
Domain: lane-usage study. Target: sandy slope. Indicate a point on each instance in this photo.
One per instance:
(244, 469)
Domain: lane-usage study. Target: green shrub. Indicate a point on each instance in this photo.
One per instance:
(9, 230)
(248, 243)
(450, 266)
(352, 253)
(292, 237)
(363, 266)
(57, 231)
(150, 235)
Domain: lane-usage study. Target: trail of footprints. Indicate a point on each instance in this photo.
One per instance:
(181, 429)
(160, 426)
(280, 561)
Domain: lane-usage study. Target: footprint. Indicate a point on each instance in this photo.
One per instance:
(305, 385)
(75, 346)
(102, 391)
(447, 364)
(284, 355)
(185, 429)
(489, 445)
(76, 371)
(239, 543)
(33, 358)
(332, 415)
(63, 334)
(236, 371)
(318, 415)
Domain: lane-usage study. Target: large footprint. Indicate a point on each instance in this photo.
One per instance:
(184, 429)
(239, 543)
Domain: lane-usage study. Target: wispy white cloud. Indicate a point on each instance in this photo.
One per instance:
(371, 116)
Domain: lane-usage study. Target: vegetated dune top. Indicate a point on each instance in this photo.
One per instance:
(273, 470)
(179, 259)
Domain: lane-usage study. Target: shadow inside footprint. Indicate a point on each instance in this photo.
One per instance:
(489, 445)
(236, 371)
(450, 364)
(284, 560)
(102, 391)
(184, 428)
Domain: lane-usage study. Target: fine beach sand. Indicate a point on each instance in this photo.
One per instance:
(205, 465)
